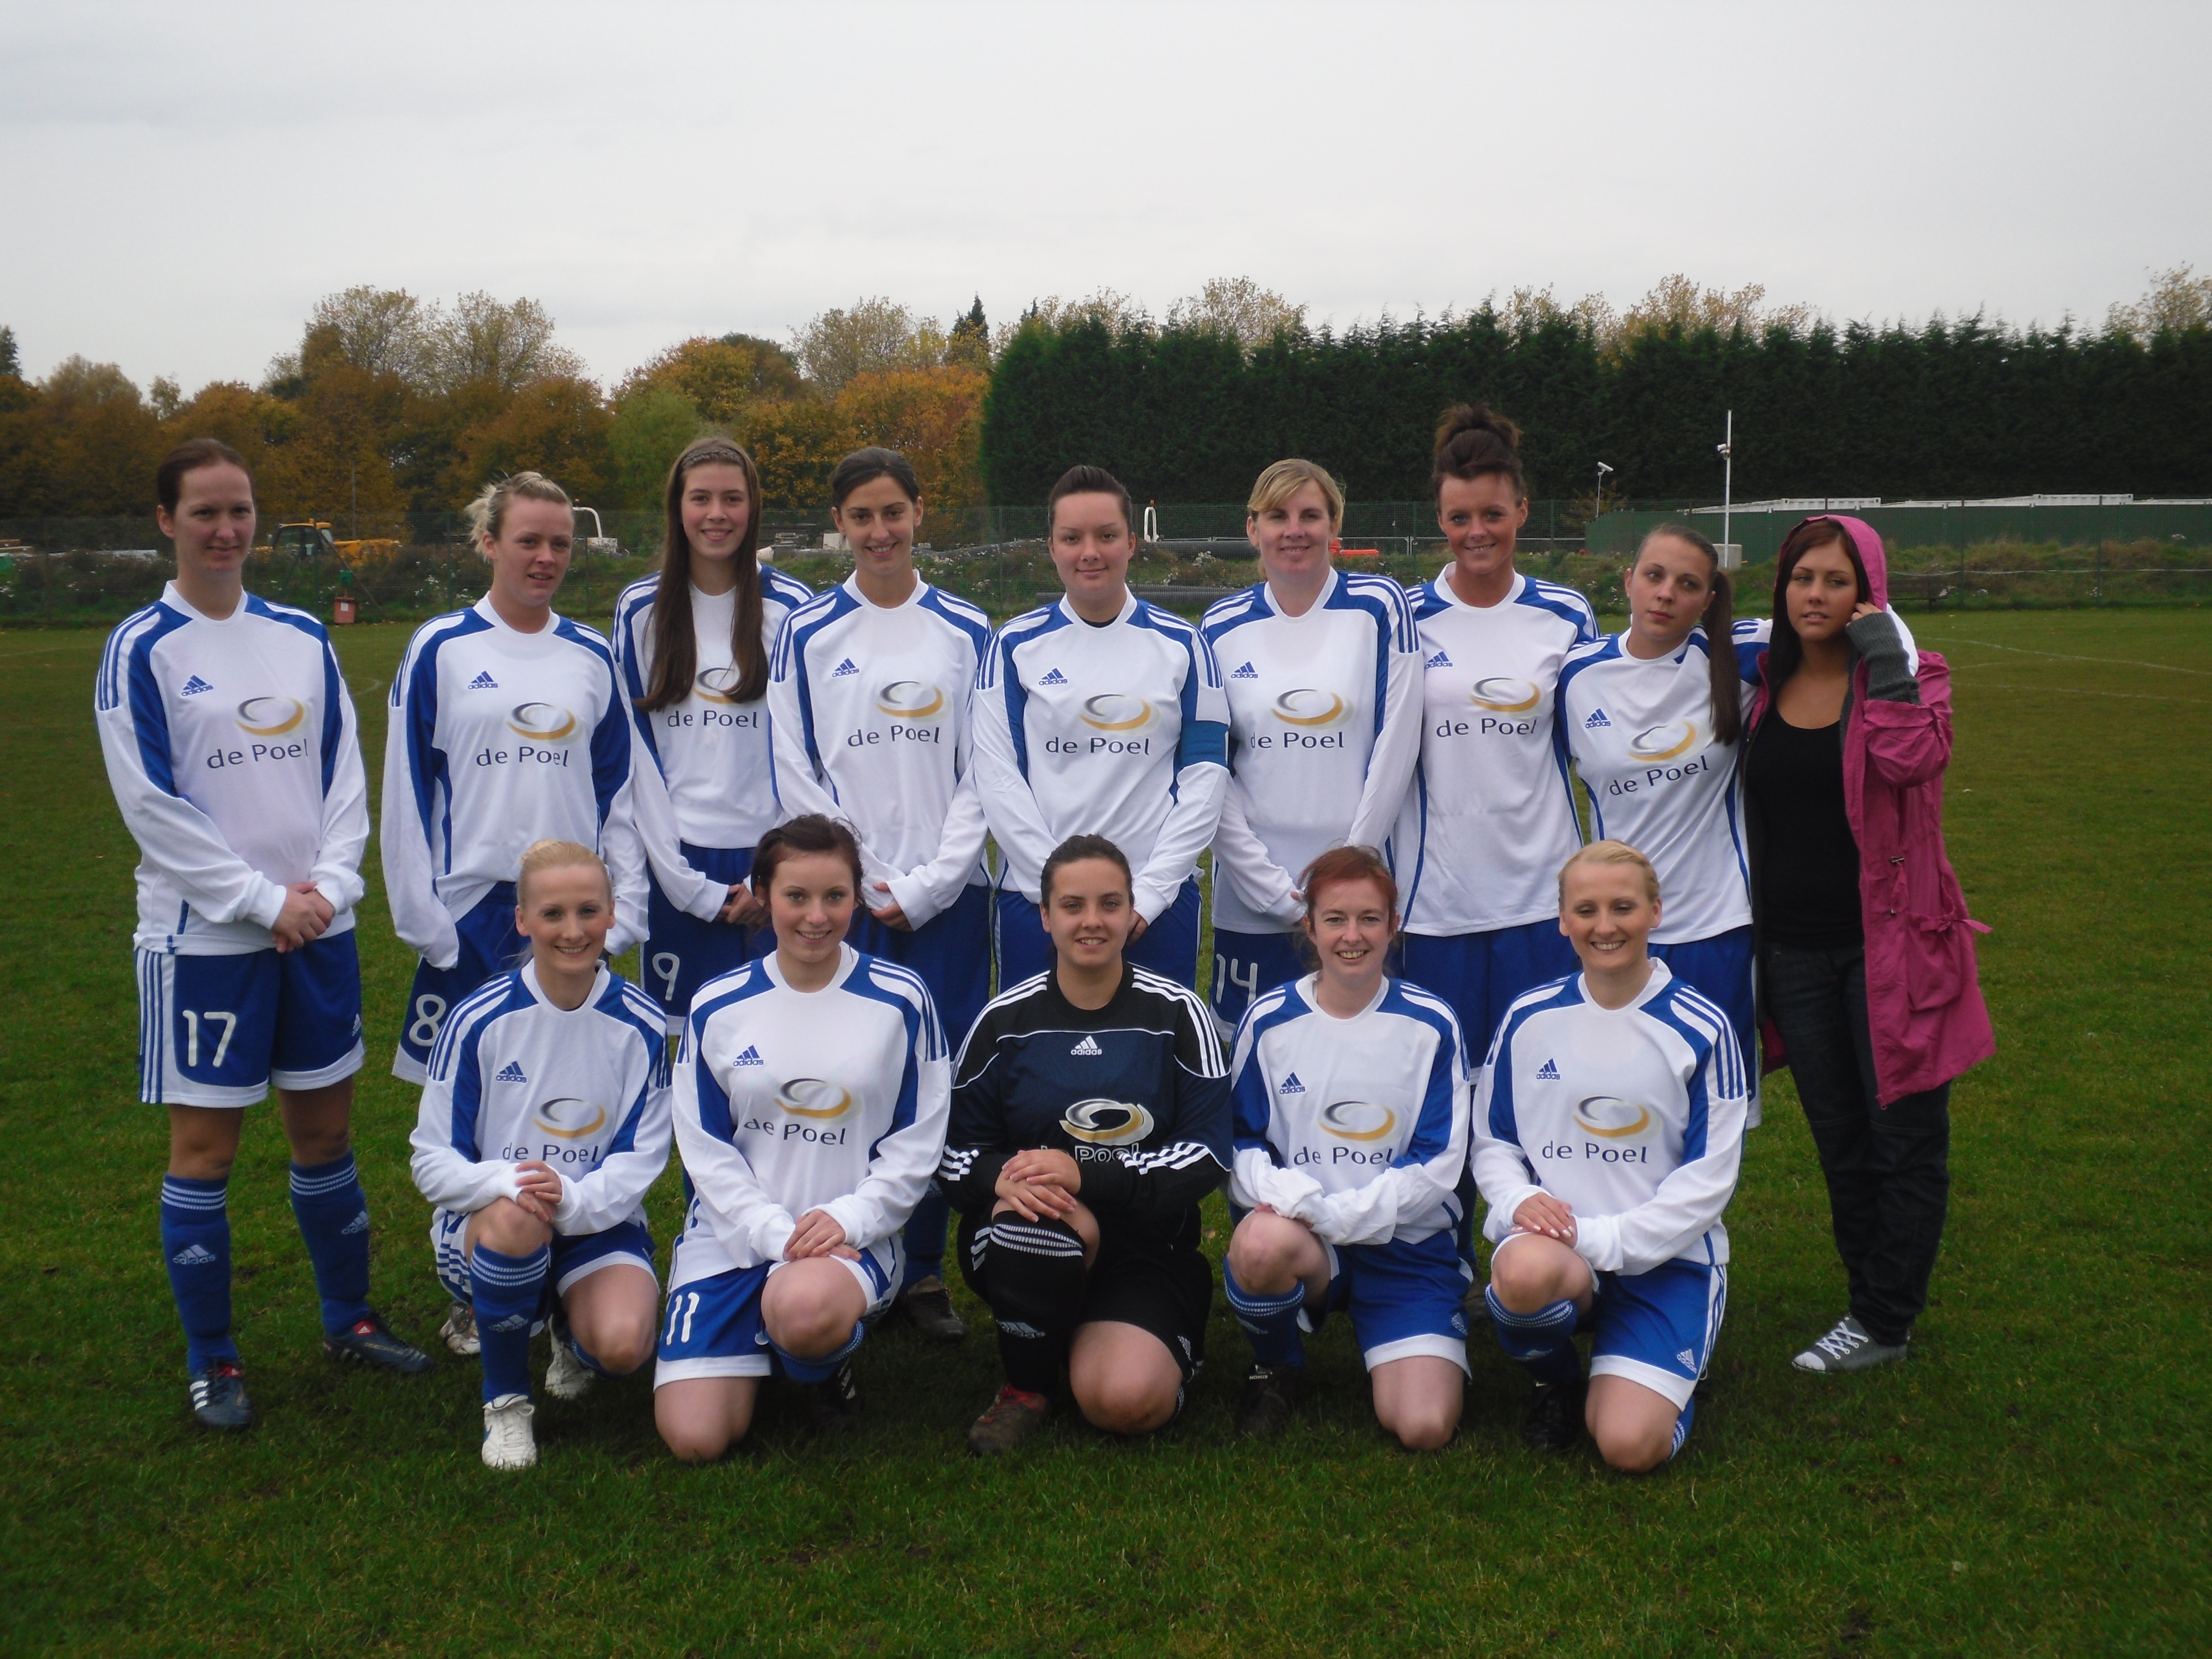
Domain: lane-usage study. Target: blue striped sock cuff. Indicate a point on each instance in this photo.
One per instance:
(320, 1180)
(1689, 1415)
(1558, 1317)
(514, 1271)
(1249, 1306)
(183, 1193)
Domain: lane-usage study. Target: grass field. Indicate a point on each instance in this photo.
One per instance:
(2034, 1481)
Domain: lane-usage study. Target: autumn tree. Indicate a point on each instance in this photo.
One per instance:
(872, 336)
(1240, 308)
(932, 416)
(968, 345)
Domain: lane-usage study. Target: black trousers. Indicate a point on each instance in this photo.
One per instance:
(1887, 1167)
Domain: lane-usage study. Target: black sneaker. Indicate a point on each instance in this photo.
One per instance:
(928, 1305)
(219, 1400)
(833, 1405)
(370, 1342)
(1555, 1417)
(1270, 1393)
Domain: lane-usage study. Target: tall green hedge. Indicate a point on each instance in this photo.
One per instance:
(1960, 409)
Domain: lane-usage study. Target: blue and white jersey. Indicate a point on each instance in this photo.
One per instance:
(1357, 1127)
(789, 1101)
(1640, 733)
(233, 751)
(516, 1078)
(498, 738)
(1119, 731)
(872, 705)
(1324, 728)
(1634, 1116)
(1491, 817)
(703, 774)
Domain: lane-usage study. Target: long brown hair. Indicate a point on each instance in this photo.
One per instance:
(1719, 622)
(1784, 650)
(675, 649)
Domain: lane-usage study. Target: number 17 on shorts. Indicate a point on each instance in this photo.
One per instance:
(219, 1030)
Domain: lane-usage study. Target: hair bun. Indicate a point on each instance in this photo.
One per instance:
(1471, 419)
(1472, 440)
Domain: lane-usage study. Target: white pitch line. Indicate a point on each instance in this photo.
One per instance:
(2079, 691)
(2060, 656)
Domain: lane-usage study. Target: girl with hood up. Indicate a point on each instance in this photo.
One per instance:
(1865, 950)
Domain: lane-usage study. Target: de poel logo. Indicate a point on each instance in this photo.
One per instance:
(1119, 712)
(1665, 741)
(1308, 709)
(569, 1118)
(718, 684)
(1107, 1123)
(1501, 693)
(1611, 1118)
(271, 717)
(541, 722)
(815, 1099)
(1358, 1120)
(911, 700)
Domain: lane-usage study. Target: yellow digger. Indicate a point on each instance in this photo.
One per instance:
(310, 538)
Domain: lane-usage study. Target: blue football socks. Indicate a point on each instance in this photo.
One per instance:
(1271, 1322)
(196, 1242)
(508, 1291)
(332, 1211)
(1544, 1342)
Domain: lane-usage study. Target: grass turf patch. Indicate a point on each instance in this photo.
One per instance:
(2031, 1482)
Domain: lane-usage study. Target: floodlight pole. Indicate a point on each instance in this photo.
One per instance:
(1602, 469)
(1727, 446)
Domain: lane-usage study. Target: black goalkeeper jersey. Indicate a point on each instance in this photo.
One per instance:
(1136, 1091)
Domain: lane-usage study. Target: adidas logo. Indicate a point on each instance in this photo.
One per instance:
(1017, 1327)
(1291, 1086)
(1442, 660)
(1549, 1073)
(842, 669)
(1597, 719)
(1088, 1046)
(511, 1072)
(195, 685)
(1687, 1360)
(1247, 673)
(193, 1255)
(484, 682)
(751, 1057)
(1053, 678)
(358, 1224)
(513, 1323)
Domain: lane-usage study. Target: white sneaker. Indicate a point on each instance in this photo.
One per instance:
(1847, 1348)
(567, 1377)
(460, 1331)
(508, 1441)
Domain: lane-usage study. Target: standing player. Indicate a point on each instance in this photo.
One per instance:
(1324, 685)
(1491, 812)
(1652, 718)
(544, 1122)
(692, 645)
(1089, 1116)
(1351, 1092)
(871, 697)
(230, 743)
(1101, 714)
(809, 1108)
(1608, 1126)
(508, 725)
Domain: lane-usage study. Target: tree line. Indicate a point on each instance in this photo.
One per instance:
(391, 405)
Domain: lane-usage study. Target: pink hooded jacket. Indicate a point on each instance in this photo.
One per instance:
(1924, 1007)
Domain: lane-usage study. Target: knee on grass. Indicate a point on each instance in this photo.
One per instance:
(697, 1432)
(1121, 1403)
(1424, 1427)
(1631, 1447)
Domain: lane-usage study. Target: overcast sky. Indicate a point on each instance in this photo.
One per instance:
(179, 183)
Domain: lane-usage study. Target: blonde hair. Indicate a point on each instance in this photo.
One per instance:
(1284, 479)
(488, 511)
(1611, 852)
(558, 855)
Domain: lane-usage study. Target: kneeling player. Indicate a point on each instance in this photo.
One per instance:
(545, 1121)
(1609, 1123)
(1351, 1094)
(1089, 1115)
(809, 1108)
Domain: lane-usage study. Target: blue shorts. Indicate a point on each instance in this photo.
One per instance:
(713, 1325)
(1404, 1298)
(1721, 967)
(575, 1257)
(950, 951)
(1168, 948)
(1244, 965)
(218, 1030)
(1658, 1327)
(1478, 974)
(490, 946)
(682, 953)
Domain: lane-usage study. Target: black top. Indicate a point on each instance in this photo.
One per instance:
(1136, 1091)
(1808, 873)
